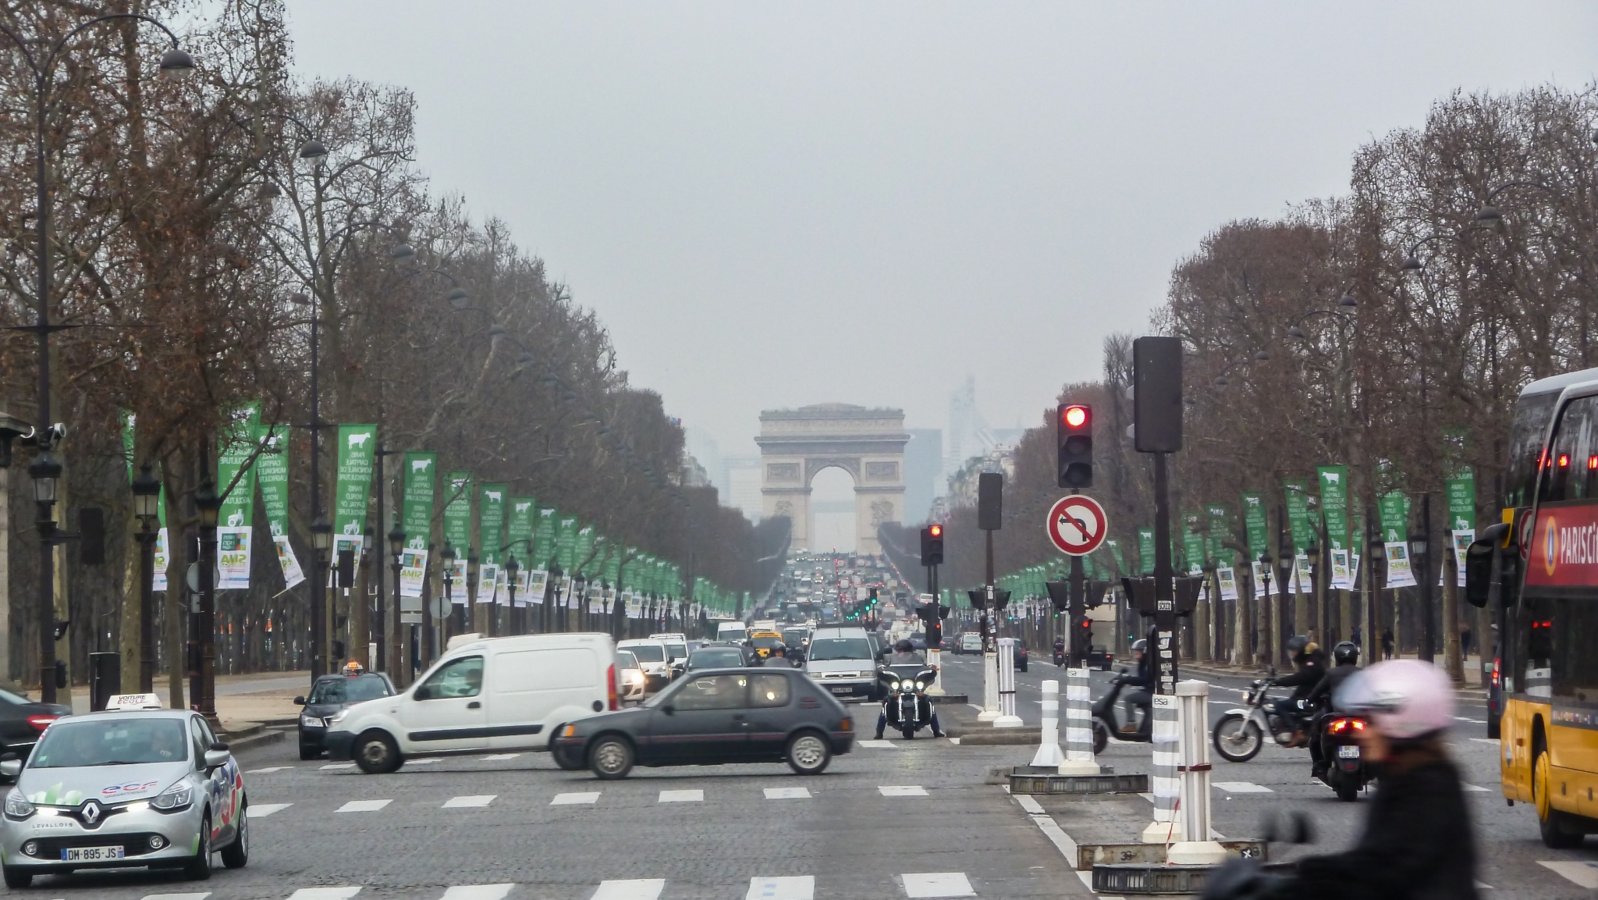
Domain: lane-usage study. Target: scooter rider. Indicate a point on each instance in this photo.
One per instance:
(1059, 650)
(1310, 662)
(1345, 659)
(1143, 680)
(904, 654)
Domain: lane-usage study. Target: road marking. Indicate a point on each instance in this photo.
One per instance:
(802, 887)
(329, 766)
(1477, 788)
(266, 771)
(500, 757)
(262, 810)
(196, 896)
(880, 745)
(632, 889)
(578, 798)
(955, 741)
(682, 796)
(469, 800)
(790, 793)
(902, 790)
(1582, 872)
(326, 893)
(425, 762)
(477, 892)
(1241, 787)
(937, 884)
(364, 805)
(1485, 740)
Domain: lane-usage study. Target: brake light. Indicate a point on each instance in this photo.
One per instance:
(610, 688)
(40, 722)
(1341, 726)
(1498, 665)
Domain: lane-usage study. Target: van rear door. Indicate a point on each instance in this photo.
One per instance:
(533, 687)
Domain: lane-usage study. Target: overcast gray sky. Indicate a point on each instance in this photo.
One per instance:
(776, 204)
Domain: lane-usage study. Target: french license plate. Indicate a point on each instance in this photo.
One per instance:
(91, 854)
(1348, 752)
(842, 689)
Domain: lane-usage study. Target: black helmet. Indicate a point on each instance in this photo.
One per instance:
(1296, 645)
(1345, 653)
(1140, 646)
(904, 646)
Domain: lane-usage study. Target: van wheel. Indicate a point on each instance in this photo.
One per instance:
(611, 757)
(808, 753)
(1551, 823)
(376, 753)
(17, 879)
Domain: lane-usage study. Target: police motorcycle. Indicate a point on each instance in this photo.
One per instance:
(1240, 734)
(907, 706)
(1105, 722)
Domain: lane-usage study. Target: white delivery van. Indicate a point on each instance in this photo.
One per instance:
(732, 631)
(486, 695)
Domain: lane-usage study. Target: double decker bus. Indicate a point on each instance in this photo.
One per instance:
(1537, 572)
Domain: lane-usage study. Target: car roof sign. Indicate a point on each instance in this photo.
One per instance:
(123, 702)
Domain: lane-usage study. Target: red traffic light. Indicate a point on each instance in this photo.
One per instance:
(1074, 416)
(935, 530)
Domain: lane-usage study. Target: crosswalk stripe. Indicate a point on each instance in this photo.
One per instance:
(1581, 872)
(423, 762)
(1476, 788)
(262, 810)
(937, 884)
(363, 806)
(1241, 787)
(880, 745)
(469, 800)
(801, 887)
(199, 895)
(630, 889)
(902, 790)
(682, 796)
(348, 765)
(576, 798)
(262, 771)
(326, 893)
(478, 892)
(788, 793)
(500, 757)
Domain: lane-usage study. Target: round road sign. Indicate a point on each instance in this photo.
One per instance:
(440, 608)
(1077, 525)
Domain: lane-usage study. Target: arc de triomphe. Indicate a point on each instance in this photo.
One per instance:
(795, 444)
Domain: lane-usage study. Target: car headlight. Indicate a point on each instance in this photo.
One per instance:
(311, 721)
(174, 798)
(17, 806)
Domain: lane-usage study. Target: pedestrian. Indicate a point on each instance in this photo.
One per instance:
(1355, 636)
(1464, 639)
(1387, 643)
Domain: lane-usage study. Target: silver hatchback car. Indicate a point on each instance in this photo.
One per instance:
(130, 788)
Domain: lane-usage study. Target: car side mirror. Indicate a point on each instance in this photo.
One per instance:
(1479, 564)
(422, 693)
(299, 701)
(10, 768)
(215, 759)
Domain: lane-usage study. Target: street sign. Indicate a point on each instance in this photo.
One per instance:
(440, 608)
(1077, 525)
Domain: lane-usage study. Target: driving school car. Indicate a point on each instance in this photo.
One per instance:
(135, 786)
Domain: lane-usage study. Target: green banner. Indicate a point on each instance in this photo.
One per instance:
(421, 473)
(491, 522)
(1192, 543)
(613, 566)
(566, 544)
(234, 457)
(1145, 550)
(1219, 528)
(272, 472)
(1461, 500)
(357, 451)
(544, 538)
(1254, 522)
(1393, 510)
(1298, 519)
(1334, 504)
(519, 527)
(458, 512)
(583, 550)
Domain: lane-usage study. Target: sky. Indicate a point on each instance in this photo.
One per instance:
(776, 204)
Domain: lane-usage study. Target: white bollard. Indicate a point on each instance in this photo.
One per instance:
(1049, 746)
(1006, 686)
(935, 660)
(990, 685)
(1166, 828)
(1192, 705)
(1078, 725)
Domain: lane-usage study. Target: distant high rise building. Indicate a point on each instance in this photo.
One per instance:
(923, 471)
(967, 435)
(703, 447)
(742, 475)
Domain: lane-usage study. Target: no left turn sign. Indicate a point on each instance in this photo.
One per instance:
(1077, 525)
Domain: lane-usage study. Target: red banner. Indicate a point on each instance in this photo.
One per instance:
(1562, 549)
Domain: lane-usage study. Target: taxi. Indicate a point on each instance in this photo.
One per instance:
(134, 786)
(764, 641)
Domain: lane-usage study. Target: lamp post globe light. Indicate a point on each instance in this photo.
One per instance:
(146, 507)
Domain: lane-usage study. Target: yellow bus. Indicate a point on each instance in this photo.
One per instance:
(1537, 571)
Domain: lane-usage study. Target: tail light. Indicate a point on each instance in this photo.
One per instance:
(1498, 671)
(40, 722)
(610, 688)
(1346, 726)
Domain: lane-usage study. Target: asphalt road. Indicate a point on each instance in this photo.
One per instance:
(1512, 859)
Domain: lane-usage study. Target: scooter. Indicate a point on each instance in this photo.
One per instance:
(1059, 656)
(1240, 733)
(908, 708)
(1105, 725)
(1346, 771)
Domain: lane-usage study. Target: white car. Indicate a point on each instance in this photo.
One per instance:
(630, 680)
(654, 658)
(970, 642)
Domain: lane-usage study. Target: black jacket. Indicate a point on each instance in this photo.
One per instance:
(1311, 668)
(1327, 688)
(1417, 844)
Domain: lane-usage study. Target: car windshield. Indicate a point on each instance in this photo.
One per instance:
(349, 690)
(823, 649)
(679, 650)
(765, 642)
(719, 658)
(110, 742)
(648, 652)
(794, 635)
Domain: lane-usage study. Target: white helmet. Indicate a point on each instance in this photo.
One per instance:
(1405, 698)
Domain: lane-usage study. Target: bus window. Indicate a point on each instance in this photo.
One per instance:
(1526, 434)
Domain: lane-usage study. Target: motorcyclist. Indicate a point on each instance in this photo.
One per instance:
(1309, 662)
(1345, 659)
(1140, 699)
(1417, 841)
(904, 654)
(1059, 650)
(778, 658)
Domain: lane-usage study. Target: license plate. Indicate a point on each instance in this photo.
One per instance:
(839, 689)
(1348, 752)
(90, 854)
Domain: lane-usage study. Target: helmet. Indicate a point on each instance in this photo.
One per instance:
(353, 668)
(1405, 698)
(1296, 645)
(1345, 653)
(904, 646)
(1140, 646)
(779, 649)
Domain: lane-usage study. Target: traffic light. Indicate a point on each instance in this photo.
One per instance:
(1075, 440)
(932, 545)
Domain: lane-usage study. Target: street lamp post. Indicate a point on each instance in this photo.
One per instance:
(146, 506)
(1376, 552)
(322, 544)
(1265, 609)
(396, 550)
(448, 557)
(203, 691)
(580, 594)
(512, 569)
(474, 574)
(45, 470)
(1420, 561)
(552, 603)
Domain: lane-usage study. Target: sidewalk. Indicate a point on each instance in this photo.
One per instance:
(258, 698)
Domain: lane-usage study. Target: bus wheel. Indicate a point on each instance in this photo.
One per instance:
(1550, 822)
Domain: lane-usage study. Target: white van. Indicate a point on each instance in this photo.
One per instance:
(732, 631)
(487, 695)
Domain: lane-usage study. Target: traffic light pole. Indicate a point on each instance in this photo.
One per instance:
(1079, 589)
(1165, 630)
(935, 635)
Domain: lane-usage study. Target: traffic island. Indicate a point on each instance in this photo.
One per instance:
(1105, 783)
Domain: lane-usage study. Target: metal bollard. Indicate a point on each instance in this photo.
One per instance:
(1049, 754)
(1166, 828)
(1078, 724)
(1193, 702)
(990, 686)
(1006, 686)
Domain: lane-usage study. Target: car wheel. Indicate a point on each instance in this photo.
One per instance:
(1023, 667)
(17, 879)
(376, 753)
(237, 854)
(199, 867)
(309, 752)
(610, 758)
(808, 753)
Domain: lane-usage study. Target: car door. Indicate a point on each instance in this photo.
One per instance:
(218, 782)
(448, 711)
(704, 721)
(769, 714)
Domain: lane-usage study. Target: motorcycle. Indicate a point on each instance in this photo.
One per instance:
(1240, 733)
(1346, 771)
(1059, 656)
(1105, 725)
(907, 705)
